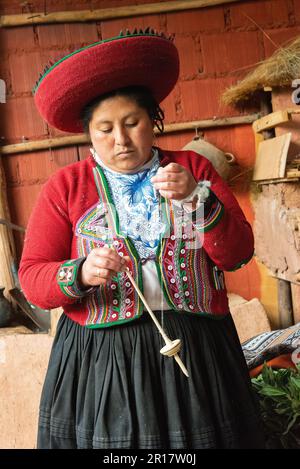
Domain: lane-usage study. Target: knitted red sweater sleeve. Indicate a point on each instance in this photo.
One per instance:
(230, 243)
(47, 245)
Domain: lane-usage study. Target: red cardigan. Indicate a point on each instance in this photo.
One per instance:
(70, 192)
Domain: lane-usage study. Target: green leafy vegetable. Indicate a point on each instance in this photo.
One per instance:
(278, 393)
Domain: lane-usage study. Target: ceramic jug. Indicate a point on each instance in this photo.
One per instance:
(219, 159)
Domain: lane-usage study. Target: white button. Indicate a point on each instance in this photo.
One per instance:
(62, 274)
(176, 295)
(113, 286)
(128, 314)
(191, 306)
(172, 280)
(79, 230)
(127, 301)
(184, 278)
(182, 265)
(114, 315)
(121, 254)
(170, 267)
(115, 302)
(116, 243)
(170, 253)
(187, 293)
(127, 284)
(173, 237)
(184, 236)
(182, 251)
(180, 306)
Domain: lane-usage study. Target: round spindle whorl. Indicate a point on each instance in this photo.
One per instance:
(171, 348)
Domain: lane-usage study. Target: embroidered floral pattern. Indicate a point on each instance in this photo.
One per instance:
(137, 204)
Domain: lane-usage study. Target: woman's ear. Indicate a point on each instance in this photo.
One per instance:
(153, 129)
(154, 137)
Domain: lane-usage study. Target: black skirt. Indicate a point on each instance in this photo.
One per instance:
(111, 388)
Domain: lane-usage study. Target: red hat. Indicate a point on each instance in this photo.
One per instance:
(143, 58)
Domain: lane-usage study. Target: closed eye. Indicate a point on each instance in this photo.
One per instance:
(131, 124)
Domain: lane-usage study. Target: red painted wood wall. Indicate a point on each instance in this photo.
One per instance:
(217, 47)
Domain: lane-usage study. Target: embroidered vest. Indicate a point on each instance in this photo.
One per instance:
(190, 281)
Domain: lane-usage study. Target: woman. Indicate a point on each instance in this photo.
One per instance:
(167, 218)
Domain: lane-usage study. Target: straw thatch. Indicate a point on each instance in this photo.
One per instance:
(279, 70)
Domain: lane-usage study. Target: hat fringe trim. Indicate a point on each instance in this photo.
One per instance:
(51, 64)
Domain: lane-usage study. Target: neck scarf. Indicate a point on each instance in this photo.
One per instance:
(137, 204)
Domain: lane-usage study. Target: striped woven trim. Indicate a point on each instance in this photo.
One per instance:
(106, 198)
(67, 279)
(203, 224)
(74, 292)
(167, 213)
(203, 289)
(69, 292)
(162, 274)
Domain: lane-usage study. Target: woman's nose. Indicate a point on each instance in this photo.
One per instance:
(121, 136)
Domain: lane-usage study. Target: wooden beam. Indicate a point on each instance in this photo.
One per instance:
(104, 14)
(277, 181)
(295, 289)
(275, 118)
(293, 173)
(7, 248)
(271, 120)
(285, 305)
(83, 139)
(37, 145)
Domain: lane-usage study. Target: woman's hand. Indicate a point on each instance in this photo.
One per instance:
(100, 266)
(174, 181)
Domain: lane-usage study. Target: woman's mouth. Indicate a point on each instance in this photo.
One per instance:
(124, 153)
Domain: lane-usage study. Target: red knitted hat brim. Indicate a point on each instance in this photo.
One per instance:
(74, 81)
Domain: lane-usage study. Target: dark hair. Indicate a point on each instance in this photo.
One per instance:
(142, 96)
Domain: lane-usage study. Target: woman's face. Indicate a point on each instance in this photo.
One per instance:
(122, 134)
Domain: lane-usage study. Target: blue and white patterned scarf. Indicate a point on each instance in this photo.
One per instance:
(137, 204)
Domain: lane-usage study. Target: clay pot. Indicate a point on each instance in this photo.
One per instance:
(219, 159)
(6, 311)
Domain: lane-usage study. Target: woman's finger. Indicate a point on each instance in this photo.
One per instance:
(170, 195)
(172, 177)
(104, 273)
(108, 258)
